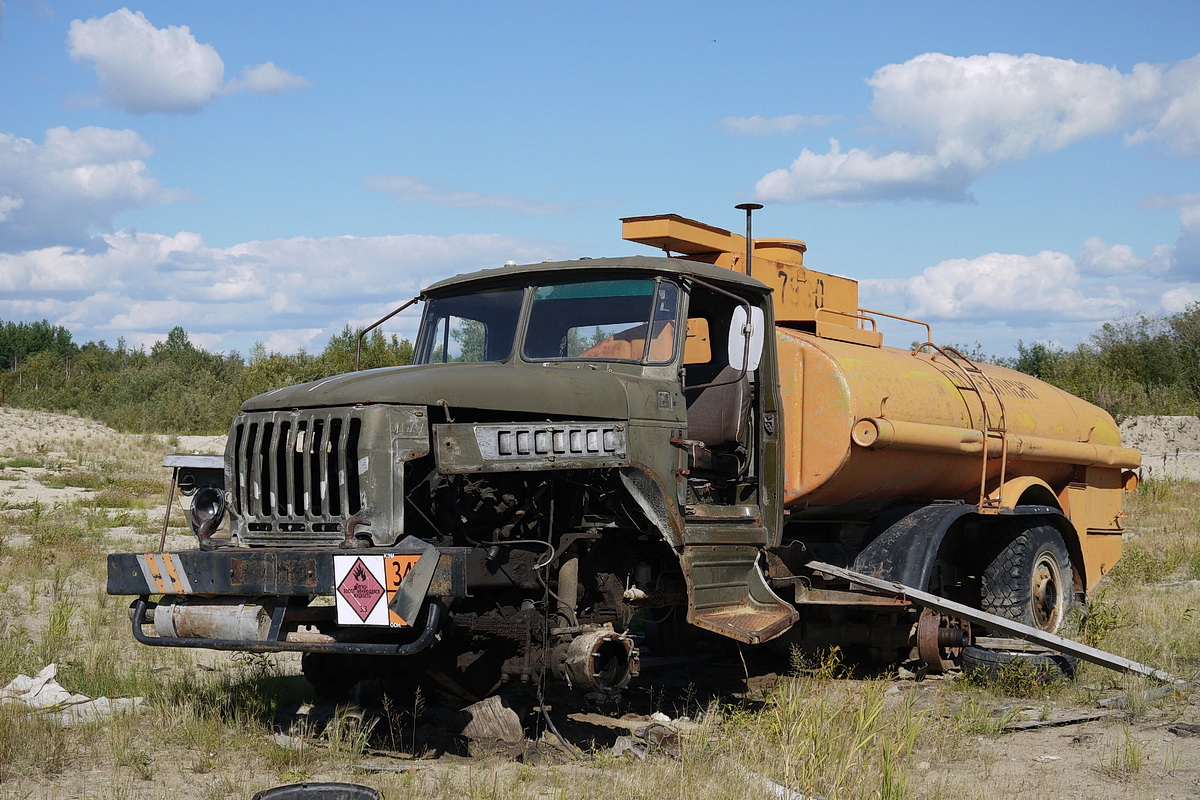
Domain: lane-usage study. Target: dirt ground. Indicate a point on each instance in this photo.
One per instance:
(1075, 759)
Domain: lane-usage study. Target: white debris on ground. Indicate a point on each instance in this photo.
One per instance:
(43, 694)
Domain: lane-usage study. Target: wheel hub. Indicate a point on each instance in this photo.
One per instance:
(1046, 583)
(940, 640)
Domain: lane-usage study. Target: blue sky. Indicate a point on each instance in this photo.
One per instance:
(269, 171)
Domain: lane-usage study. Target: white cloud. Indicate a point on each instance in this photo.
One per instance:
(290, 293)
(144, 69)
(770, 126)
(1178, 299)
(860, 176)
(1100, 258)
(1006, 287)
(410, 189)
(8, 205)
(267, 79)
(965, 115)
(72, 185)
(1177, 119)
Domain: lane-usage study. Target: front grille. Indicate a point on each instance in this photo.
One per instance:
(296, 471)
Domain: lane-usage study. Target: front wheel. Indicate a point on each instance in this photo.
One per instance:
(1030, 580)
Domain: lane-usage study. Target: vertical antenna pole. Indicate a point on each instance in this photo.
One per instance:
(749, 208)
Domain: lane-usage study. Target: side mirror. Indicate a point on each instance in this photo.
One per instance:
(745, 329)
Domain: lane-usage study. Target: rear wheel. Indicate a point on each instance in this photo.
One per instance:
(1030, 580)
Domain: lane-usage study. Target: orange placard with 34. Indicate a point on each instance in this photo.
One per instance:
(395, 569)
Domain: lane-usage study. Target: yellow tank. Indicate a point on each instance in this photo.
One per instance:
(869, 424)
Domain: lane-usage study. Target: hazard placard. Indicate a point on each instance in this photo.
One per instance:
(358, 592)
(365, 585)
(396, 569)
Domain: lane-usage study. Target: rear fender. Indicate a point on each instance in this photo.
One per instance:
(905, 549)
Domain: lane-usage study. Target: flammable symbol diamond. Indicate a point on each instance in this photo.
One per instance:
(361, 590)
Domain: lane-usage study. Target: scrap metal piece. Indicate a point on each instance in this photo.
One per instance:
(411, 595)
(1027, 632)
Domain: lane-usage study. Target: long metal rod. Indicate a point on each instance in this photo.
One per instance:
(1053, 641)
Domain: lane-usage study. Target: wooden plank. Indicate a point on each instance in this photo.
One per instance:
(1053, 722)
(1026, 632)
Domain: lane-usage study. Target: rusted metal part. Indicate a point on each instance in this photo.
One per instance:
(806, 594)
(217, 618)
(941, 639)
(204, 534)
(598, 661)
(244, 572)
(349, 542)
(729, 594)
(275, 645)
(1027, 632)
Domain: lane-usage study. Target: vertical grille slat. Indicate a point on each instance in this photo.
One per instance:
(315, 503)
(353, 491)
(336, 461)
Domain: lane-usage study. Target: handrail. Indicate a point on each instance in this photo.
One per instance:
(858, 316)
(925, 325)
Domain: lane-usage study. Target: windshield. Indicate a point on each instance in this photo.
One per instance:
(469, 328)
(588, 320)
(611, 320)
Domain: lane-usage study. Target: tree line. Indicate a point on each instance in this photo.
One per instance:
(1137, 365)
(174, 387)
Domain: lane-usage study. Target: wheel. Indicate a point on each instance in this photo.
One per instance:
(1030, 580)
(989, 665)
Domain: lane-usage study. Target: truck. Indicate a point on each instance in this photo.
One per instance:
(594, 459)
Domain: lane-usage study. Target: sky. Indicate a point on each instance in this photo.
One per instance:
(269, 172)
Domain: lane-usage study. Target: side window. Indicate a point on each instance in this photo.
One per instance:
(459, 339)
(479, 326)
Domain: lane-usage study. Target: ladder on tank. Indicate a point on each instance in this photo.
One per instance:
(994, 425)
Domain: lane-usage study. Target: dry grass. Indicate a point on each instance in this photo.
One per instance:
(209, 730)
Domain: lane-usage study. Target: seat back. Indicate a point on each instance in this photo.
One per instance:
(717, 415)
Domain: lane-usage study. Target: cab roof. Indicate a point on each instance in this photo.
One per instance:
(589, 266)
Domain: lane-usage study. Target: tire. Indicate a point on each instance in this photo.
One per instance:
(1030, 580)
(981, 664)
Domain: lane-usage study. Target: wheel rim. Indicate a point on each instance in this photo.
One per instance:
(1047, 583)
